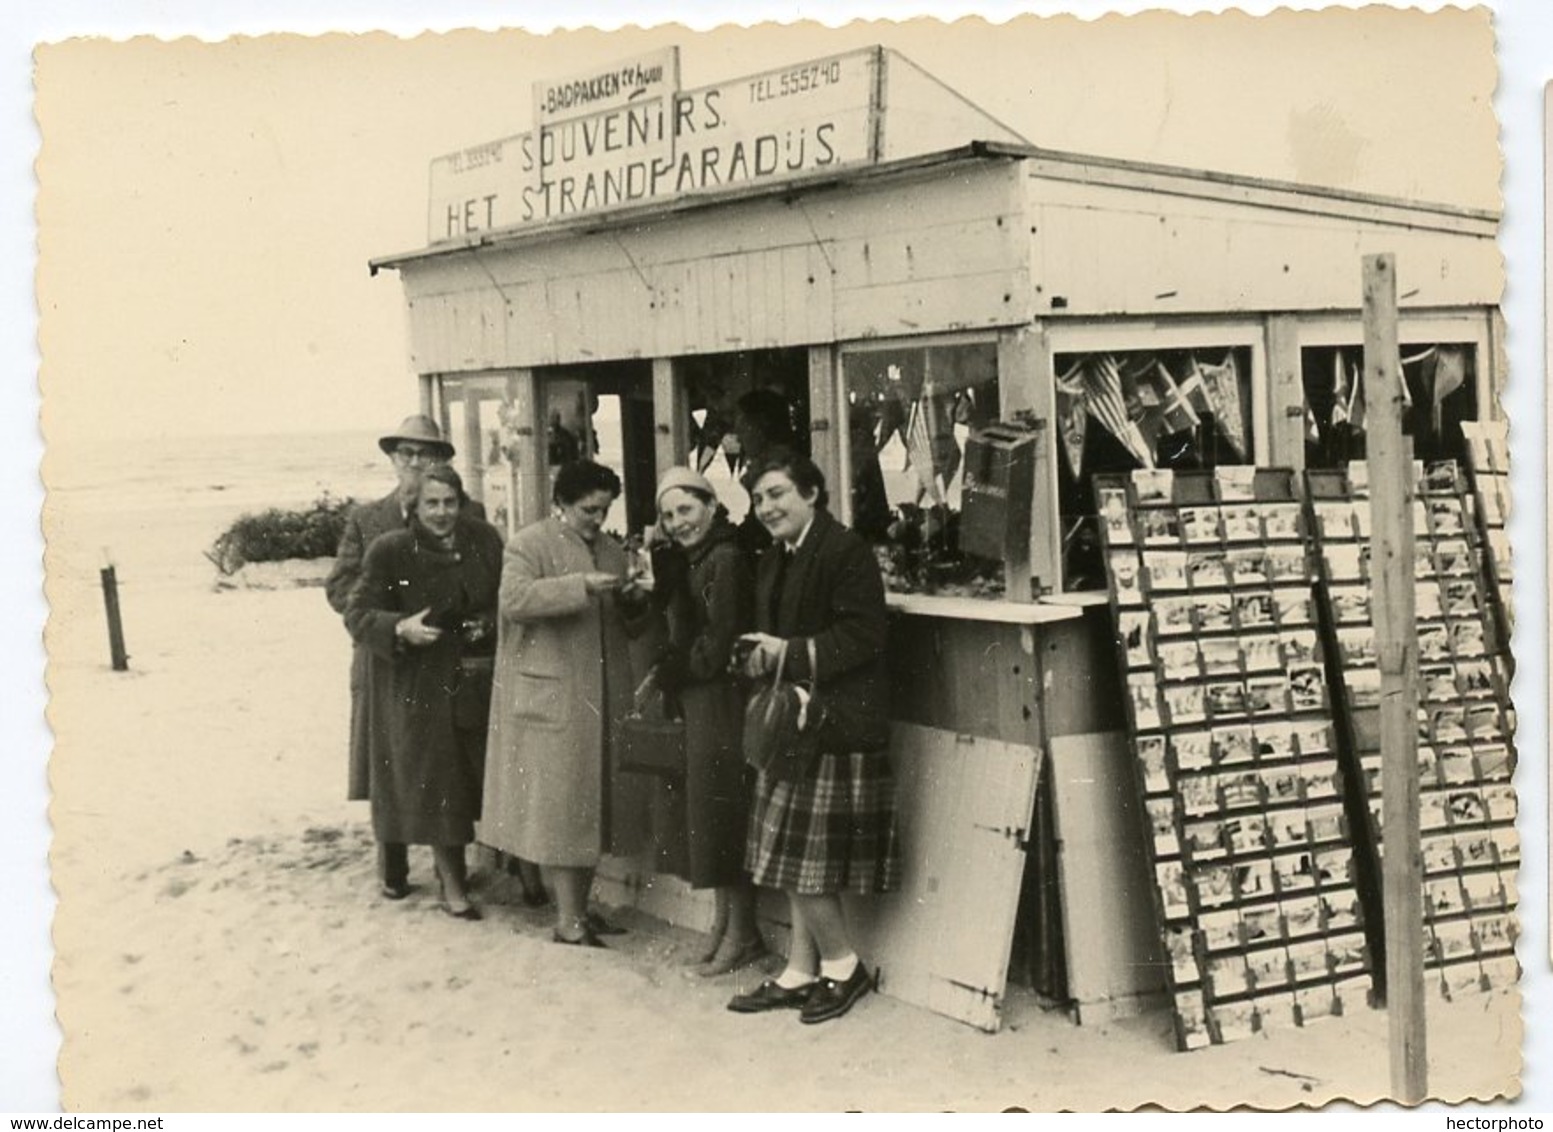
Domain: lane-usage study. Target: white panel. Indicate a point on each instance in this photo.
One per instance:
(1105, 250)
(922, 115)
(1110, 934)
(943, 941)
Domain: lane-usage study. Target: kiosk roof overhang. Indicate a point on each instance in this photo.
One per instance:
(1252, 192)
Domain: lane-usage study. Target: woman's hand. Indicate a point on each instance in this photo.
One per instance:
(600, 582)
(762, 659)
(414, 631)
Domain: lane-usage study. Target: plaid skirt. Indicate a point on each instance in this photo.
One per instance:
(832, 832)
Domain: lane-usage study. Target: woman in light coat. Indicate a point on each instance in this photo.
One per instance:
(563, 680)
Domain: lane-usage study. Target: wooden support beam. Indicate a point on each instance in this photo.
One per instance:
(473, 444)
(1025, 385)
(429, 395)
(531, 467)
(1286, 393)
(826, 434)
(1392, 606)
(671, 432)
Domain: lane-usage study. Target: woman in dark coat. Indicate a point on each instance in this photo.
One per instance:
(709, 603)
(832, 829)
(426, 607)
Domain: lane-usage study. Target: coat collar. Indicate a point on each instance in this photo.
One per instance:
(720, 532)
(800, 566)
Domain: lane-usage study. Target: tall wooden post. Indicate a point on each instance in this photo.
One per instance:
(1392, 605)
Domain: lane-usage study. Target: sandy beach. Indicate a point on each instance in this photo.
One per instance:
(221, 946)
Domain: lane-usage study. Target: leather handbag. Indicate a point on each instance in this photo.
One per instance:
(781, 725)
(650, 741)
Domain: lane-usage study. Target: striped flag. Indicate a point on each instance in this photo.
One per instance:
(919, 449)
(1072, 418)
(1222, 383)
(1340, 392)
(1103, 397)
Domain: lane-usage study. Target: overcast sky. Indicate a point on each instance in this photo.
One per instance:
(207, 209)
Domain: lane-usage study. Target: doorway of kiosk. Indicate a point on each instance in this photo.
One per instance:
(603, 411)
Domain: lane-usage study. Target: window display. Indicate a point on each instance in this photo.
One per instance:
(1149, 410)
(910, 411)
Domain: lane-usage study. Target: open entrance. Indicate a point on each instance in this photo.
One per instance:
(773, 387)
(603, 412)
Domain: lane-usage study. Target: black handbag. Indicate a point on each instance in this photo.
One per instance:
(651, 741)
(781, 732)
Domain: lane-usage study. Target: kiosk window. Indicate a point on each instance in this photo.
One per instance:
(909, 412)
(1441, 392)
(1120, 410)
(773, 388)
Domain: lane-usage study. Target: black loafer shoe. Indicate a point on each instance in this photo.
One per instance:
(831, 999)
(601, 926)
(770, 996)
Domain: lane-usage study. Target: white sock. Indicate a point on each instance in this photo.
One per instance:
(791, 978)
(839, 969)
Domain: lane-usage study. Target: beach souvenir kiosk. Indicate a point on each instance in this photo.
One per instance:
(967, 328)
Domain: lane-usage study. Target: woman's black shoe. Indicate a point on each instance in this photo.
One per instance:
(770, 995)
(831, 999)
(598, 925)
(396, 891)
(467, 912)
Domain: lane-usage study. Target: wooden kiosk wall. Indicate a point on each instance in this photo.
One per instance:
(1047, 253)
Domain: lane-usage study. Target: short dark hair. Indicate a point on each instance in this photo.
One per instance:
(768, 411)
(443, 474)
(804, 473)
(581, 478)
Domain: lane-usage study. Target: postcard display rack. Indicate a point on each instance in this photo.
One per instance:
(1233, 740)
(1488, 467)
(1466, 802)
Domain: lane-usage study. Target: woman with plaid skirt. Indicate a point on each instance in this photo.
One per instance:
(832, 829)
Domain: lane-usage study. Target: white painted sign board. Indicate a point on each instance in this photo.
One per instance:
(771, 126)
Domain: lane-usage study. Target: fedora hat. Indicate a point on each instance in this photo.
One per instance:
(417, 429)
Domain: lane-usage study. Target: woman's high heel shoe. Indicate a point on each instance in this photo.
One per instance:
(732, 955)
(468, 912)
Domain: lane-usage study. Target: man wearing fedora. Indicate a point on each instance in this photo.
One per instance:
(415, 445)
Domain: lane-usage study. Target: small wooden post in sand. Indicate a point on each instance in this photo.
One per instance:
(1392, 602)
(110, 598)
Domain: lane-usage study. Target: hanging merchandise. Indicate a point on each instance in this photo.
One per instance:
(1072, 418)
(1104, 400)
(1340, 390)
(1221, 383)
(1355, 413)
(919, 449)
(1450, 374)
(1165, 407)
